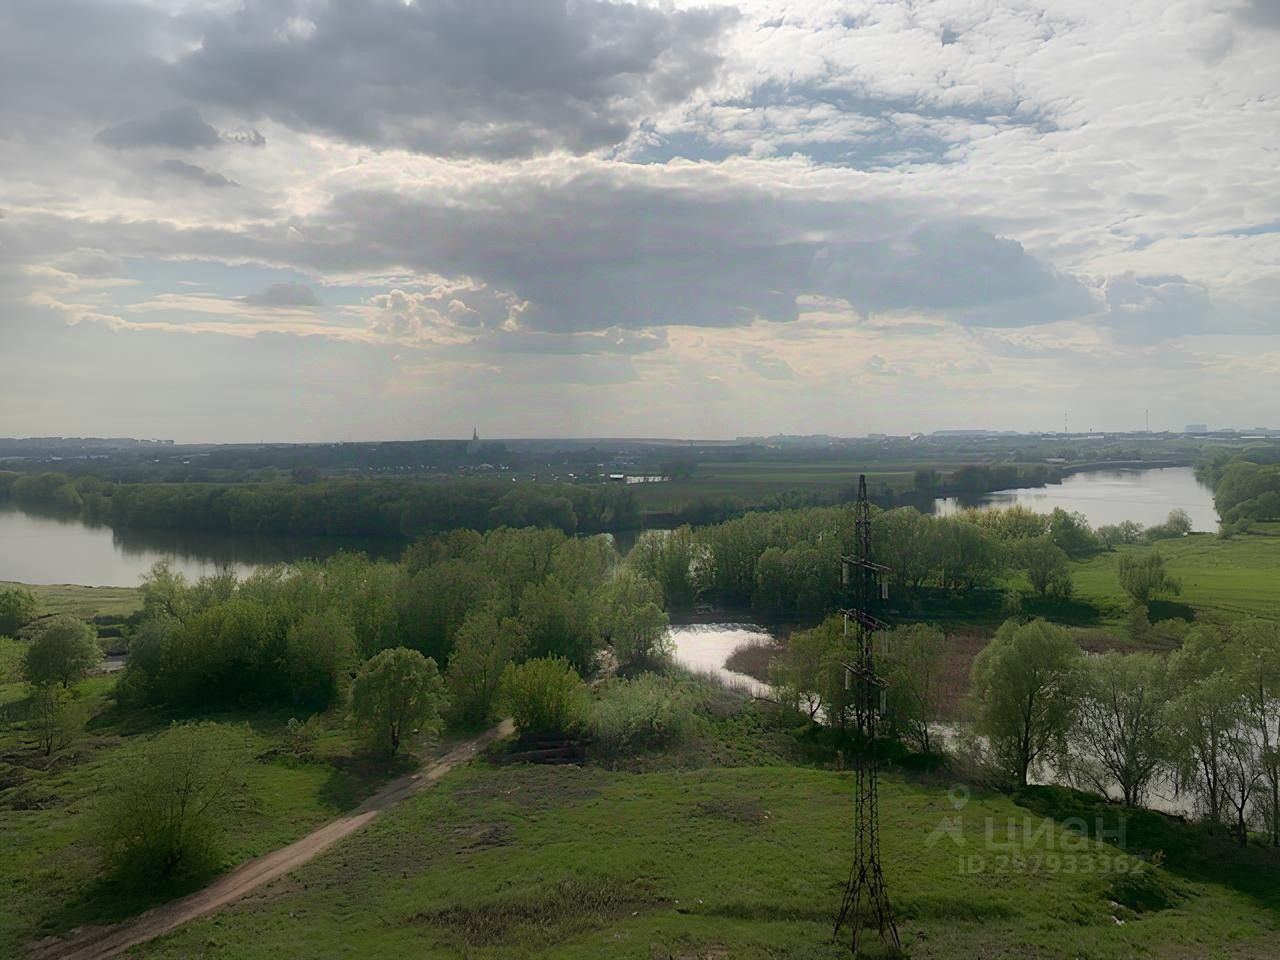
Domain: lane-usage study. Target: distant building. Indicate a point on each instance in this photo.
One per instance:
(1197, 428)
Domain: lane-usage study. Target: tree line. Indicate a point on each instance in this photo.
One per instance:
(785, 566)
(402, 509)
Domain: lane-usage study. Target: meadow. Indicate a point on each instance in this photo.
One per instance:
(567, 862)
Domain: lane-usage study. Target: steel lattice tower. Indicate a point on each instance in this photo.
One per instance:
(866, 886)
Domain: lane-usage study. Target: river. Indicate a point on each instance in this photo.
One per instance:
(1110, 496)
(49, 549)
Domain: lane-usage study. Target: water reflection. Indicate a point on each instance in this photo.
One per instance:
(1110, 496)
(58, 549)
(704, 647)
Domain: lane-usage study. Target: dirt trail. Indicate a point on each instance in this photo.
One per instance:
(98, 943)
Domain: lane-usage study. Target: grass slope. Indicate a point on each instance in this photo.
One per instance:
(49, 874)
(750, 862)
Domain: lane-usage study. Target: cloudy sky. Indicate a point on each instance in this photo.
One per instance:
(311, 220)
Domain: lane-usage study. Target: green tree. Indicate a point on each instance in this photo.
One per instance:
(57, 717)
(161, 821)
(810, 674)
(560, 622)
(544, 696)
(397, 693)
(17, 607)
(1177, 524)
(1071, 532)
(1259, 645)
(1141, 577)
(63, 651)
(1025, 694)
(320, 649)
(1046, 565)
(1121, 728)
(668, 559)
(911, 668)
(1208, 704)
(485, 645)
(633, 619)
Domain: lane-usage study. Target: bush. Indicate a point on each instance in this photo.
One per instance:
(17, 607)
(161, 822)
(648, 713)
(544, 696)
(63, 651)
(57, 717)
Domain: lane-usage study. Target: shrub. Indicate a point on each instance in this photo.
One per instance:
(647, 713)
(544, 696)
(57, 717)
(63, 651)
(161, 822)
(17, 607)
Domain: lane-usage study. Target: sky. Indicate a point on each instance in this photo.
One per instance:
(300, 220)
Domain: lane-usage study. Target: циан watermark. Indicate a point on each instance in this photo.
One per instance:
(1031, 844)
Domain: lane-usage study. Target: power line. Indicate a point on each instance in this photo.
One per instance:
(866, 878)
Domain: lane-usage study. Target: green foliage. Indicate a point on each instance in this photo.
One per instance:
(649, 712)
(911, 668)
(544, 696)
(668, 559)
(1118, 534)
(1178, 524)
(17, 607)
(1072, 533)
(397, 693)
(161, 821)
(486, 644)
(560, 622)
(1025, 694)
(56, 715)
(1047, 567)
(1121, 730)
(1142, 577)
(1207, 706)
(320, 650)
(1248, 490)
(378, 508)
(809, 675)
(63, 651)
(634, 621)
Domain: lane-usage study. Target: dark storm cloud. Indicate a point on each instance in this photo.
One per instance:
(456, 77)
(67, 59)
(181, 129)
(197, 174)
(607, 250)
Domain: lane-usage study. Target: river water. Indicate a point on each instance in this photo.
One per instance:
(49, 549)
(704, 647)
(1110, 496)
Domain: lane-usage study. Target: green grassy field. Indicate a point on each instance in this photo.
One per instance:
(1221, 579)
(50, 871)
(745, 863)
(84, 602)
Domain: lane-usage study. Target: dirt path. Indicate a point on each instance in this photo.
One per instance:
(98, 943)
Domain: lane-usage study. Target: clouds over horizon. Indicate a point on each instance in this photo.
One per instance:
(749, 194)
